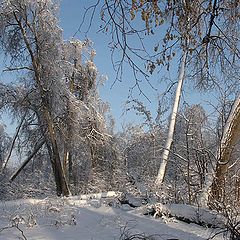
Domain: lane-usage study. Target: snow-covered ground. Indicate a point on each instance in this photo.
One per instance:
(92, 217)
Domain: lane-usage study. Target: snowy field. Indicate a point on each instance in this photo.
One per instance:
(92, 217)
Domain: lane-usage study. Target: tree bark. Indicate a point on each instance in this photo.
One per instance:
(60, 178)
(163, 165)
(231, 135)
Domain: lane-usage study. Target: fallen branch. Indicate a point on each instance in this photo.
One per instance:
(17, 227)
(35, 151)
(188, 214)
(13, 142)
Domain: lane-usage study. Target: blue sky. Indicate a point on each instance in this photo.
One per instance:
(71, 13)
(117, 94)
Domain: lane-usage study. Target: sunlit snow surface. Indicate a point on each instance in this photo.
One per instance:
(95, 217)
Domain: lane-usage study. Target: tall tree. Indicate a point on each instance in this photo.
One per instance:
(172, 123)
(30, 36)
(56, 97)
(177, 21)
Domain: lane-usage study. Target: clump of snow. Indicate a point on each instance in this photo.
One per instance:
(198, 215)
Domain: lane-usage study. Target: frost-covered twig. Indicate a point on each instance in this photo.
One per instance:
(15, 225)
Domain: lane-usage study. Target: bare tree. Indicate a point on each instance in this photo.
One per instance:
(154, 15)
(206, 31)
(192, 155)
(31, 38)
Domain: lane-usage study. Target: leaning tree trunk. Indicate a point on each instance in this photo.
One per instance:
(29, 158)
(51, 136)
(5, 162)
(163, 165)
(230, 137)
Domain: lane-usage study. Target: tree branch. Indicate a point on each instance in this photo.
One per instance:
(13, 142)
(35, 151)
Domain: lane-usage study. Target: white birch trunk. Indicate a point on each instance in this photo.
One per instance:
(163, 165)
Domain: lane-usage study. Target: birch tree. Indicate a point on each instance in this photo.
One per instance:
(169, 140)
(209, 27)
(178, 22)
